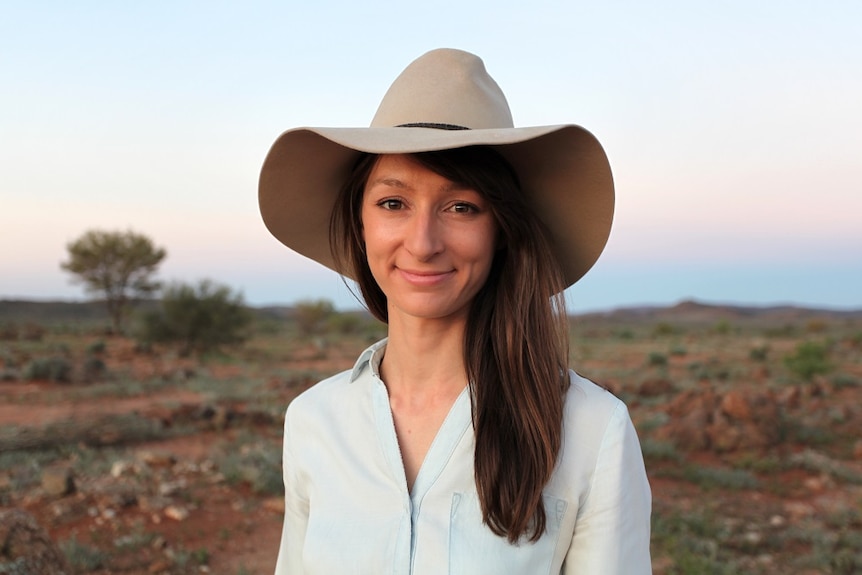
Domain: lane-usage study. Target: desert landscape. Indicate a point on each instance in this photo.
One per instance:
(121, 457)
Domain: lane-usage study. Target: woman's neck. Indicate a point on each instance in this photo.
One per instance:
(424, 359)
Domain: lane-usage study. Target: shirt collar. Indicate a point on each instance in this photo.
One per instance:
(371, 358)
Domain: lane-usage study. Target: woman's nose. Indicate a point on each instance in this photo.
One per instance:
(424, 235)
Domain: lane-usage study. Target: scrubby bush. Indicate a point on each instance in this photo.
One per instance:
(345, 323)
(809, 359)
(723, 327)
(312, 316)
(678, 350)
(81, 557)
(55, 369)
(843, 380)
(759, 353)
(94, 369)
(664, 329)
(97, 347)
(199, 319)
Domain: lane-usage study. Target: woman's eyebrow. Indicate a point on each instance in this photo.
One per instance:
(390, 182)
(393, 182)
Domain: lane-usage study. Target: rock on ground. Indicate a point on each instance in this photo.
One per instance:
(26, 548)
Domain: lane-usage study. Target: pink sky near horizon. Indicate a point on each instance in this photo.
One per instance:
(734, 133)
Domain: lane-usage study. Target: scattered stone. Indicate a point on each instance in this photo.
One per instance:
(735, 405)
(154, 503)
(24, 543)
(222, 417)
(157, 459)
(689, 414)
(160, 566)
(656, 387)
(170, 488)
(176, 513)
(831, 504)
(274, 504)
(58, 481)
(799, 510)
(818, 484)
(702, 419)
(790, 397)
(121, 468)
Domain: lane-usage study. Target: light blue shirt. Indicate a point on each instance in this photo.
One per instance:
(348, 509)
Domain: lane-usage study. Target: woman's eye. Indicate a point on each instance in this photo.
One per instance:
(464, 208)
(390, 204)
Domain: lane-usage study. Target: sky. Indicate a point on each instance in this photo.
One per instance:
(733, 128)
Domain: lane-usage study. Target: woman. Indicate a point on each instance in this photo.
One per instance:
(461, 443)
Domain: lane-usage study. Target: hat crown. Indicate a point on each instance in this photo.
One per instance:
(447, 87)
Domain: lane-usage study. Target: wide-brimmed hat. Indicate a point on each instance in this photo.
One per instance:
(444, 99)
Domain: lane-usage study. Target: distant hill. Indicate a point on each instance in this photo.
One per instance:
(686, 312)
(694, 312)
(23, 311)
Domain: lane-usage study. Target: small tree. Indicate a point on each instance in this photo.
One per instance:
(311, 316)
(199, 319)
(116, 265)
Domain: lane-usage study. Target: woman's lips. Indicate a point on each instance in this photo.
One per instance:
(425, 277)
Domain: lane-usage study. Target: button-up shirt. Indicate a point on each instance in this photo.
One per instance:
(348, 509)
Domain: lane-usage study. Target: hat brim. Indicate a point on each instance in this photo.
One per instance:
(563, 170)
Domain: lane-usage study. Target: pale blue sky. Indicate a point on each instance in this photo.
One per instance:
(734, 130)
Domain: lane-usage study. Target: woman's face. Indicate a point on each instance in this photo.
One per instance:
(429, 242)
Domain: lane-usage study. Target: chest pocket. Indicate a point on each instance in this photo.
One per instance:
(475, 549)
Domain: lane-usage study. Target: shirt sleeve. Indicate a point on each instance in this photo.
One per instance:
(295, 510)
(612, 532)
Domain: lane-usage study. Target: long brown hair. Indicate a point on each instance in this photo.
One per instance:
(515, 345)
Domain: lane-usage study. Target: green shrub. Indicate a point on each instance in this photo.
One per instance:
(248, 459)
(721, 478)
(809, 359)
(723, 327)
(657, 359)
(94, 369)
(843, 380)
(97, 347)
(344, 323)
(759, 353)
(664, 328)
(692, 541)
(56, 369)
(654, 450)
(198, 319)
(786, 330)
(82, 558)
(678, 350)
(312, 317)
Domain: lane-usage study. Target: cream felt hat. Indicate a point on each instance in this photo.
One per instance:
(444, 99)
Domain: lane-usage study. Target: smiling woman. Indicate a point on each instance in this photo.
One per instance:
(462, 443)
(429, 241)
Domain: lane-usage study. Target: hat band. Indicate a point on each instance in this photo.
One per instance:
(434, 125)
